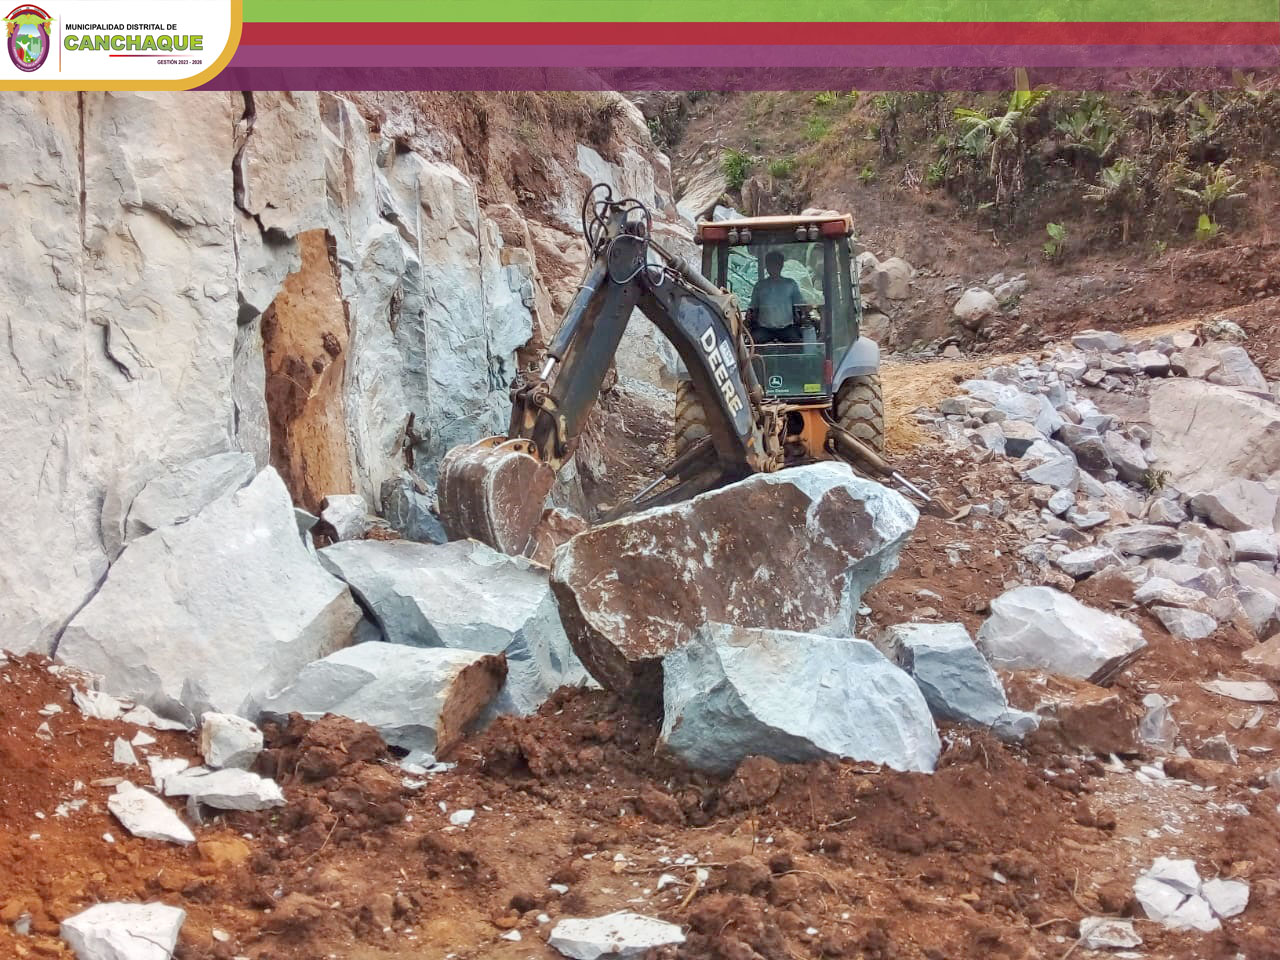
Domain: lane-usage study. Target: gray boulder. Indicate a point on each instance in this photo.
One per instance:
(974, 306)
(793, 549)
(1253, 545)
(1058, 471)
(409, 508)
(1086, 561)
(1208, 580)
(418, 698)
(1237, 505)
(1153, 363)
(1185, 624)
(1189, 418)
(346, 514)
(734, 692)
(229, 741)
(1158, 590)
(1106, 341)
(1125, 455)
(1144, 540)
(1018, 435)
(215, 612)
(1164, 511)
(1235, 369)
(1043, 628)
(1087, 445)
(956, 680)
(465, 596)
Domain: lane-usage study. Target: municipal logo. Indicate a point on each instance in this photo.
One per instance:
(27, 37)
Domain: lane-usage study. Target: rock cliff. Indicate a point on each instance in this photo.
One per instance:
(342, 287)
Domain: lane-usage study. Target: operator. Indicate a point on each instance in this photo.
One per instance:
(773, 304)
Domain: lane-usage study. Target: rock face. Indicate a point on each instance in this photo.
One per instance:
(465, 596)
(735, 692)
(793, 549)
(180, 493)
(169, 295)
(1043, 628)
(108, 366)
(417, 698)
(215, 612)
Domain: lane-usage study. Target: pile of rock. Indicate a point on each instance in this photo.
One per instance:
(742, 629)
(220, 604)
(1135, 498)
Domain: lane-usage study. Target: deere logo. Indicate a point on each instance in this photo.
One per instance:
(27, 37)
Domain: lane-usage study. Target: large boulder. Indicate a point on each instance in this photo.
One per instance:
(465, 596)
(974, 306)
(1238, 504)
(418, 698)
(213, 613)
(734, 692)
(1190, 417)
(891, 279)
(1040, 628)
(788, 550)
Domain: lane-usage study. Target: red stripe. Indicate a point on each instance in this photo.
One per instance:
(702, 34)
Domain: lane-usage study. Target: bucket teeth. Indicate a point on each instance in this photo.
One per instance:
(493, 491)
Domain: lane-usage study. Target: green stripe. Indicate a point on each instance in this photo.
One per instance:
(675, 11)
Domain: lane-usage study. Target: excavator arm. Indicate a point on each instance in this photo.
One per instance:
(494, 490)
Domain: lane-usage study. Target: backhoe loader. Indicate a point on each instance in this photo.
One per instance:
(772, 370)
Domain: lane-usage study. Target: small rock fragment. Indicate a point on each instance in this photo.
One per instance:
(225, 789)
(123, 753)
(617, 935)
(1108, 933)
(124, 931)
(145, 815)
(229, 741)
(1247, 691)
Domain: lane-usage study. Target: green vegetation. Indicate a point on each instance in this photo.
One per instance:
(817, 128)
(1057, 241)
(782, 167)
(867, 174)
(736, 165)
(826, 98)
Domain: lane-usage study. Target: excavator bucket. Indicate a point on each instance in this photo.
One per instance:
(493, 491)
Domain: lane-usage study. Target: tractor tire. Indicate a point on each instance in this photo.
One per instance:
(691, 421)
(860, 410)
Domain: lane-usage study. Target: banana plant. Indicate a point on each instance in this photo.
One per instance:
(999, 136)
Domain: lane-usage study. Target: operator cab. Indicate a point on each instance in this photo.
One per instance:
(794, 282)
